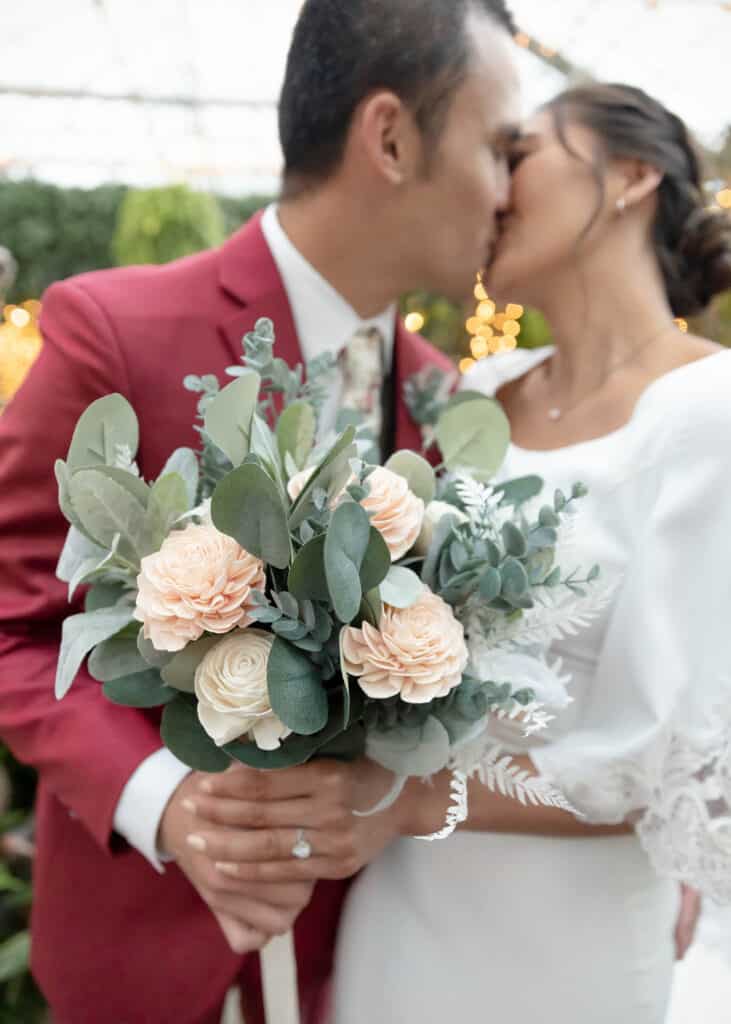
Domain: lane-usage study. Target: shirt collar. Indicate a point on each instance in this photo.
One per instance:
(323, 319)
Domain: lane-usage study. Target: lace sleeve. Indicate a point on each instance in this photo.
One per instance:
(653, 742)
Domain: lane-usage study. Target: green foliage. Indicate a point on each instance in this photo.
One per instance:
(54, 232)
(160, 224)
(183, 734)
(296, 692)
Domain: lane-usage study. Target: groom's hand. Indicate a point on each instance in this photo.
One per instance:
(249, 913)
(247, 822)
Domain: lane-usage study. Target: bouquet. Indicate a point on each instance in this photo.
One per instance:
(282, 598)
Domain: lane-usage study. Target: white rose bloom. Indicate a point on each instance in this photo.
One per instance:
(231, 687)
(434, 512)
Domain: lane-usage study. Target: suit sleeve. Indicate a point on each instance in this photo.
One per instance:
(84, 748)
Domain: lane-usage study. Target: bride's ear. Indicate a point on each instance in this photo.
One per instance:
(636, 180)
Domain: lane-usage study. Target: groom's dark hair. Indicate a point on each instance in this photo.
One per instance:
(344, 49)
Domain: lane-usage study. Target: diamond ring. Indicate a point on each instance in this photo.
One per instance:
(301, 849)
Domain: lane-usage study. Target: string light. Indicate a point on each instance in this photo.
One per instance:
(723, 198)
(20, 343)
(682, 324)
(414, 322)
(490, 332)
(20, 317)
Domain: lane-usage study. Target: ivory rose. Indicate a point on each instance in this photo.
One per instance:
(199, 581)
(231, 687)
(418, 652)
(433, 513)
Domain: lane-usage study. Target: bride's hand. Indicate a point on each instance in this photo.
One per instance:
(261, 827)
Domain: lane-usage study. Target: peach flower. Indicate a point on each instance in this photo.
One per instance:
(232, 692)
(199, 581)
(395, 510)
(418, 652)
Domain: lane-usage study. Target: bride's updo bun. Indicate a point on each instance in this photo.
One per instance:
(692, 240)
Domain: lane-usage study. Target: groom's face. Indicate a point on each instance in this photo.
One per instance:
(466, 181)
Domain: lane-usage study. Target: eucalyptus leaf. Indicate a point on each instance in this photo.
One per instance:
(474, 436)
(134, 484)
(153, 657)
(519, 490)
(376, 562)
(183, 461)
(307, 576)
(247, 505)
(116, 657)
(346, 681)
(371, 607)
(106, 509)
(295, 750)
(183, 734)
(142, 689)
(411, 750)
(296, 433)
(417, 472)
(513, 539)
(346, 543)
(103, 594)
(79, 634)
(63, 479)
(168, 502)
(296, 692)
(514, 579)
(77, 550)
(442, 533)
(179, 673)
(107, 424)
(543, 537)
(490, 584)
(333, 465)
(264, 445)
(401, 587)
(228, 416)
(547, 517)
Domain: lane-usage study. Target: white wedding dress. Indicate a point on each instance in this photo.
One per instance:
(519, 929)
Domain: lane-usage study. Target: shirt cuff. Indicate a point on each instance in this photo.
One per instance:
(143, 801)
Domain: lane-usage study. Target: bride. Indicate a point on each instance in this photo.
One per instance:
(529, 914)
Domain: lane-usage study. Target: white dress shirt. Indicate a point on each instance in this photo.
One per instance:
(324, 322)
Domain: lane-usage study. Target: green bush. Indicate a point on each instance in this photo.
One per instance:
(160, 224)
(55, 232)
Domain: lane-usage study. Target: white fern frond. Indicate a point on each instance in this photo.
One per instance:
(457, 811)
(478, 499)
(558, 613)
(123, 459)
(532, 717)
(500, 774)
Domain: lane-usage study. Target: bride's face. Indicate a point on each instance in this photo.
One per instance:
(554, 196)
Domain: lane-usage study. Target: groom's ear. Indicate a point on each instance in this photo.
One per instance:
(389, 138)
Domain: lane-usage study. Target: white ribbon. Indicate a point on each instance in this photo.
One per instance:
(279, 980)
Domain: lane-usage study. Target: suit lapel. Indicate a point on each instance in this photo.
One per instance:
(249, 277)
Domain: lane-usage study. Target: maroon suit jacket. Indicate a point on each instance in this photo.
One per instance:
(114, 942)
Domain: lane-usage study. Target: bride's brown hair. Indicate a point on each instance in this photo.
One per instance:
(692, 241)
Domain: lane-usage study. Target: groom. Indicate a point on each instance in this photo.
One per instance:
(394, 117)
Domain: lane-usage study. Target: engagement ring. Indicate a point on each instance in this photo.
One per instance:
(301, 849)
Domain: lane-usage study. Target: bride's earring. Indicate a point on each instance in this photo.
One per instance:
(621, 205)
